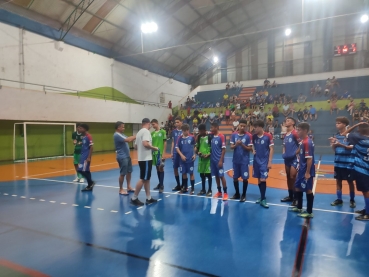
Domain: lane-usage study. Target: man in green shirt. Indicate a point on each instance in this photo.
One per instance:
(203, 150)
(77, 141)
(159, 139)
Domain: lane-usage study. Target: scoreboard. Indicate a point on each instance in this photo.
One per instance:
(346, 49)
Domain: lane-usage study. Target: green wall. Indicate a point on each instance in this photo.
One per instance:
(47, 140)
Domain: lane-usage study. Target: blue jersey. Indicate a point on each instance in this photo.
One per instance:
(262, 147)
(360, 152)
(240, 154)
(291, 143)
(342, 157)
(175, 135)
(306, 152)
(217, 145)
(186, 145)
(86, 144)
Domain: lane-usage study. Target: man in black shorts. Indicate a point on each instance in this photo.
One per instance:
(144, 156)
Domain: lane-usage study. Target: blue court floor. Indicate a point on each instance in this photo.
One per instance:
(50, 226)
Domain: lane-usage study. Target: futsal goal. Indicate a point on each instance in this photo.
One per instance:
(42, 140)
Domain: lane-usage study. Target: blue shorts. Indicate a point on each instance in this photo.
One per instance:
(176, 161)
(215, 170)
(240, 171)
(303, 184)
(187, 168)
(84, 165)
(291, 162)
(361, 180)
(260, 171)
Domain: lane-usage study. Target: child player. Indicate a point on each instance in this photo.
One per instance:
(306, 174)
(263, 156)
(241, 143)
(290, 151)
(159, 140)
(342, 161)
(218, 148)
(176, 133)
(77, 141)
(85, 159)
(185, 149)
(203, 151)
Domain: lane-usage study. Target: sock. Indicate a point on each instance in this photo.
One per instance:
(87, 175)
(158, 173)
(192, 184)
(177, 180)
(366, 205)
(352, 195)
(184, 182)
(310, 201)
(244, 187)
(210, 180)
(236, 187)
(262, 188)
(225, 190)
(299, 195)
(290, 193)
(202, 175)
(339, 194)
(79, 175)
(148, 198)
(161, 179)
(134, 197)
(220, 189)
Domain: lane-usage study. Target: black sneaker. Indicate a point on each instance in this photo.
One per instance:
(209, 193)
(363, 217)
(136, 202)
(192, 192)
(287, 199)
(337, 202)
(183, 190)
(151, 201)
(176, 188)
(352, 204)
(236, 196)
(243, 198)
(362, 212)
(157, 187)
(294, 203)
(88, 188)
(93, 184)
(161, 189)
(202, 192)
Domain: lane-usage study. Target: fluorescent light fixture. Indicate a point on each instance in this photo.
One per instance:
(364, 18)
(149, 27)
(287, 32)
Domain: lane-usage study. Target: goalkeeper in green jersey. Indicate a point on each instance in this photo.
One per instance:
(159, 139)
(77, 141)
(203, 150)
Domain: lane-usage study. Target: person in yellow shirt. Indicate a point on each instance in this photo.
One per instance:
(225, 96)
(266, 93)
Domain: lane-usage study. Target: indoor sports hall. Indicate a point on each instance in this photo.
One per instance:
(71, 69)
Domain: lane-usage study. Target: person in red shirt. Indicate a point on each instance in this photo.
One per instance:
(188, 110)
(170, 104)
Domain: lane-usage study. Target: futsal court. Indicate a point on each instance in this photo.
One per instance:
(50, 228)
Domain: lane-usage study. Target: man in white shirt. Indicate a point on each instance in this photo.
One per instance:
(235, 125)
(144, 157)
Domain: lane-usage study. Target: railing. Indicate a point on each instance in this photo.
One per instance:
(60, 90)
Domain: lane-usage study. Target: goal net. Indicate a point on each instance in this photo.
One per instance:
(42, 140)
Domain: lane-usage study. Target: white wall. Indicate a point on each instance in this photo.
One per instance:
(77, 69)
(26, 105)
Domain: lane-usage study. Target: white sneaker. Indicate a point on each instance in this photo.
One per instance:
(81, 180)
(76, 180)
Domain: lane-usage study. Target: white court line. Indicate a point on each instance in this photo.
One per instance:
(5, 193)
(75, 205)
(42, 200)
(23, 197)
(87, 207)
(113, 211)
(52, 202)
(14, 195)
(100, 209)
(128, 212)
(63, 203)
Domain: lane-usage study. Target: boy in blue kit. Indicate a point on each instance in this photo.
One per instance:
(291, 142)
(218, 148)
(306, 174)
(263, 156)
(85, 158)
(342, 161)
(176, 133)
(241, 144)
(360, 154)
(185, 148)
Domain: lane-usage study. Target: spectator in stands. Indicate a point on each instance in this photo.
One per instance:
(270, 99)
(188, 110)
(217, 105)
(274, 85)
(256, 113)
(188, 119)
(211, 117)
(355, 117)
(235, 125)
(365, 116)
(334, 82)
(306, 113)
(266, 83)
(162, 125)
(243, 115)
(220, 117)
(200, 117)
(334, 106)
(269, 115)
(328, 83)
(238, 106)
(204, 117)
(225, 98)
(195, 121)
(252, 102)
(346, 95)
(234, 86)
(227, 115)
(181, 107)
(351, 106)
(362, 105)
(301, 99)
(318, 90)
(227, 86)
(312, 91)
(334, 96)
(195, 130)
(300, 116)
(275, 111)
(313, 113)
(286, 109)
(262, 114)
(183, 116)
(292, 108)
(283, 130)
(170, 104)
(239, 85)
(326, 91)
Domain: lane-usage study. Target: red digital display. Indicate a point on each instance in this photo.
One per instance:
(346, 49)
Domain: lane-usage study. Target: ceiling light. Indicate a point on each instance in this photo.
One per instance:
(149, 27)
(364, 18)
(287, 32)
(215, 59)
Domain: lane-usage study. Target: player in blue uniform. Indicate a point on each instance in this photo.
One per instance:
(290, 151)
(176, 133)
(306, 174)
(360, 153)
(241, 144)
(263, 155)
(342, 161)
(85, 158)
(218, 148)
(185, 148)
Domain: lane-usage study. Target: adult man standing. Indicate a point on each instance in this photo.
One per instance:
(123, 157)
(144, 156)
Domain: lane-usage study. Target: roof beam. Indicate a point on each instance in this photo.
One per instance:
(102, 12)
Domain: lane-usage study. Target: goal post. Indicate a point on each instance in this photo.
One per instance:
(42, 140)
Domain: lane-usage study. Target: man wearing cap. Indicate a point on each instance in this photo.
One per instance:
(144, 157)
(313, 115)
